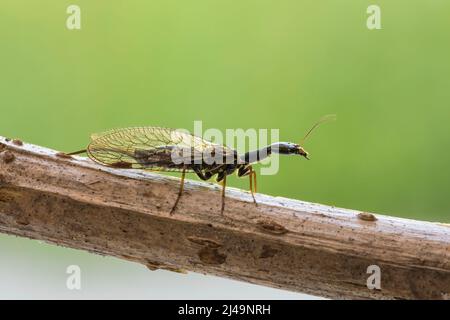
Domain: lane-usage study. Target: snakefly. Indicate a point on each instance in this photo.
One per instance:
(153, 148)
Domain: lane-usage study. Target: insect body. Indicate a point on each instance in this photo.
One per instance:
(164, 149)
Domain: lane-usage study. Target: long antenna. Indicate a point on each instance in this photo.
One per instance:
(327, 118)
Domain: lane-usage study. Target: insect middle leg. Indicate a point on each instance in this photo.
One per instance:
(204, 176)
(221, 177)
(180, 192)
(248, 171)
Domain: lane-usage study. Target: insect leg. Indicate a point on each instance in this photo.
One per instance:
(180, 192)
(243, 171)
(204, 176)
(224, 183)
(221, 176)
(248, 171)
(252, 177)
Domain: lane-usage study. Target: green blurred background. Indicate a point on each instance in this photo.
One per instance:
(249, 64)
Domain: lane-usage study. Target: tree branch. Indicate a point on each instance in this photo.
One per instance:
(282, 243)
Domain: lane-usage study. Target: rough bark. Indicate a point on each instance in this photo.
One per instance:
(282, 243)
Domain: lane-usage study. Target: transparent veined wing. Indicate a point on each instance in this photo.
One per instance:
(151, 148)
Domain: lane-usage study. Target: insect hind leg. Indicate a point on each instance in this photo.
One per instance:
(224, 184)
(180, 192)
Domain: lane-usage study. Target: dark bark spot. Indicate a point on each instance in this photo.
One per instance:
(153, 265)
(17, 142)
(268, 252)
(204, 242)
(209, 255)
(366, 216)
(8, 157)
(272, 227)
